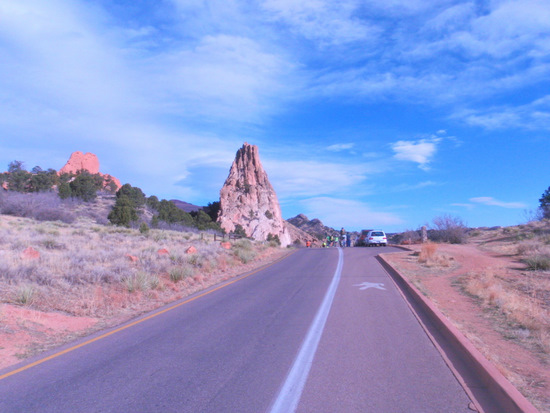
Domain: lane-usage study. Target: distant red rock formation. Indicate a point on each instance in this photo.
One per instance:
(88, 162)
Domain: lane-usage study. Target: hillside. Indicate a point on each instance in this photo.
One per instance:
(186, 206)
(313, 227)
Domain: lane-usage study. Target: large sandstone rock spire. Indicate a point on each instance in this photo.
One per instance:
(248, 199)
(80, 161)
(87, 162)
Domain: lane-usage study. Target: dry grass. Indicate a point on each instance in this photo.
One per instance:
(85, 269)
(527, 317)
(427, 252)
(430, 257)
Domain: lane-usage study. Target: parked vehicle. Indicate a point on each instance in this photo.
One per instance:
(375, 238)
(362, 240)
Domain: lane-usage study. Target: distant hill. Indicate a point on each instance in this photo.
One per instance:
(186, 206)
(313, 227)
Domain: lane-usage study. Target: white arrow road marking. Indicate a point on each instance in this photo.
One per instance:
(367, 285)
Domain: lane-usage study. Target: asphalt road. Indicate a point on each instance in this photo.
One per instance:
(326, 327)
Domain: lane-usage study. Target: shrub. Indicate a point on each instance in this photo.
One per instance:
(239, 231)
(213, 209)
(43, 206)
(64, 190)
(133, 193)
(144, 228)
(244, 250)
(180, 272)
(274, 239)
(141, 281)
(86, 185)
(448, 228)
(170, 213)
(204, 222)
(153, 202)
(25, 294)
(409, 237)
(427, 252)
(538, 262)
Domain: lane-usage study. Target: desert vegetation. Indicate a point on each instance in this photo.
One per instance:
(92, 270)
(499, 277)
(522, 296)
(103, 274)
(430, 257)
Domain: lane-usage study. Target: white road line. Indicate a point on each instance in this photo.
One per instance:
(290, 393)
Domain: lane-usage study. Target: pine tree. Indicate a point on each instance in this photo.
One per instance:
(545, 203)
(123, 212)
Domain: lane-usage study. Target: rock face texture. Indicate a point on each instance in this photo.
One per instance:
(88, 162)
(248, 199)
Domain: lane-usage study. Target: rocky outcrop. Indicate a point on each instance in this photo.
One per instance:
(87, 162)
(248, 199)
(80, 161)
(314, 227)
(300, 238)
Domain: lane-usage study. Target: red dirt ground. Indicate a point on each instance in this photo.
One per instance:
(526, 369)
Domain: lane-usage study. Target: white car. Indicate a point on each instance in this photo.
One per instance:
(376, 237)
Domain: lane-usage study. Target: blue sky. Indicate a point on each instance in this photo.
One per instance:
(374, 113)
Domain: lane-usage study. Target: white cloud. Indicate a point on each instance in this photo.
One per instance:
(340, 147)
(534, 115)
(347, 213)
(421, 151)
(293, 179)
(222, 76)
(487, 200)
(327, 22)
(467, 206)
(420, 185)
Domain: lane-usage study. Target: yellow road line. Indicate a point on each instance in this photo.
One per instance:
(36, 363)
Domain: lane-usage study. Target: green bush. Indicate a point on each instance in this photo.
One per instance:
(123, 212)
(133, 193)
(168, 212)
(86, 185)
(239, 231)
